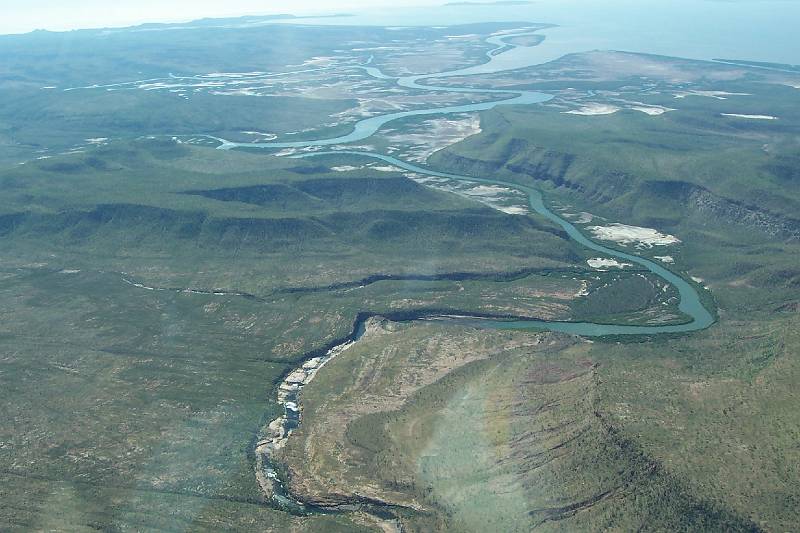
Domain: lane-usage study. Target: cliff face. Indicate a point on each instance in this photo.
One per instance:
(515, 157)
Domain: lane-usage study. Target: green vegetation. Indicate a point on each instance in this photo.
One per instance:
(155, 292)
(722, 185)
(105, 208)
(129, 408)
(116, 395)
(675, 433)
(78, 115)
(512, 431)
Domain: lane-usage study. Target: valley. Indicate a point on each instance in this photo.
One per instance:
(389, 280)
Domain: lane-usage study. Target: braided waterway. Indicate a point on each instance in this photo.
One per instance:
(275, 434)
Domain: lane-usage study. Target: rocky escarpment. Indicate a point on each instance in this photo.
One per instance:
(700, 200)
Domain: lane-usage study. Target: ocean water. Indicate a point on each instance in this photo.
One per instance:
(754, 30)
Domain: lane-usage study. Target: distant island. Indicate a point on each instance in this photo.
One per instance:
(497, 3)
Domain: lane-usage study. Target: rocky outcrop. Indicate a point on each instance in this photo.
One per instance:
(518, 157)
(700, 200)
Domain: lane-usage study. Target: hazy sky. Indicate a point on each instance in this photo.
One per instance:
(19, 16)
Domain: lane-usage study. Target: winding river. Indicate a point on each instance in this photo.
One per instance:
(276, 433)
(690, 301)
(369, 126)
